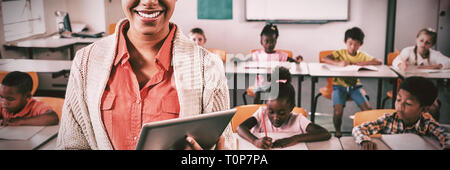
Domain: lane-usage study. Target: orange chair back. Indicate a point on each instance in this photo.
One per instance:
(370, 115)
(33, 75)
(288, 52)
(111, 28)
(245, 111)
(221, 53)
(391, 57)
(242, 114)
(55, 102)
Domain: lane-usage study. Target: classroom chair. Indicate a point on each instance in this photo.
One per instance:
(55, 102)
(390, 58)
(328, 89)
(250, 91)
(111, 28)
(33, 75)
(221, 53)
(246, 111)
(370, 115)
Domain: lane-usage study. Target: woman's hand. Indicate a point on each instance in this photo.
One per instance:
(193, 145)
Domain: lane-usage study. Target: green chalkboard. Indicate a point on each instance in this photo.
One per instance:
(215, 9)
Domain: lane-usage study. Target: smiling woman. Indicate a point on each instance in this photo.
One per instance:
(146, 71)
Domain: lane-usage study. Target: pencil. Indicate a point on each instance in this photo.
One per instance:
(264, 124)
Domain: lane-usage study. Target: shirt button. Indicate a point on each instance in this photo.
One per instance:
(138, 101)
(135, 138)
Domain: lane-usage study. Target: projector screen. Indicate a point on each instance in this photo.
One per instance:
(297, 10)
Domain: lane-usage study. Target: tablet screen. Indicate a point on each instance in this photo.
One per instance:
(171, 134)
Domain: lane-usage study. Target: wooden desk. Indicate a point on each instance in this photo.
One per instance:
(332, 144)
(247, 68)
(427, 73)
(51, 43)
(316, 70)
(32, 65)
(348, 143)
(56, 68)
(34, 142)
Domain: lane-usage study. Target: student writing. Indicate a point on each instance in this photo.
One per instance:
(18, 108)
(414, 97)
(277, 116)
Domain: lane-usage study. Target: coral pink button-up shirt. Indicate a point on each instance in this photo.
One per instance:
(125, 107)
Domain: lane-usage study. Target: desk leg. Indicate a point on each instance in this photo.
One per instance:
(313, 90)
(394, 93)
(299, 92)
(379, 92)
(234, 89)
(72, 52)
(30, 53)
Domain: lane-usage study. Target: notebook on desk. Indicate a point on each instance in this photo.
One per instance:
(19, 132)
(268, 65)
(407, 141)
(243, 144)
(349, 68)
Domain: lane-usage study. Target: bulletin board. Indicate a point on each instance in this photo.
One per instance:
(215, 9)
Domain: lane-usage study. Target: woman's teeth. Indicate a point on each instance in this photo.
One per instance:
(150, 15)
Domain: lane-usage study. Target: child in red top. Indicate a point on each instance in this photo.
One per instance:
(18, 108)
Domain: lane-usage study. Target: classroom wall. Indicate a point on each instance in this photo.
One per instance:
(239, 36)
(90, 12)
(413, 15)
(97, 14)
(113, 12)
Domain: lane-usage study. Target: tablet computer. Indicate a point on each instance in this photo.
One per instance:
(171, 134)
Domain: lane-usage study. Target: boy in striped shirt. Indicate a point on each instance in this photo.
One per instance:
(414, 98)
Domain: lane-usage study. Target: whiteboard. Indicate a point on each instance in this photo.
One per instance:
(297, 10)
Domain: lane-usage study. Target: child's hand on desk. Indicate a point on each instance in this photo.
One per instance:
(285, 142)
(11, 122)
(264, 143)
(403, 66)
(437, 66)
(368, 145)
(343, 63)
(361, 64)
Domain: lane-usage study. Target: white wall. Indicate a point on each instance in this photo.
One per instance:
(413, 15)
(113, 12)
(239, 36)
(98, 14)
(91, 12)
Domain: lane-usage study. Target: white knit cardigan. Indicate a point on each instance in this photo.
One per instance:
(199, 76)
